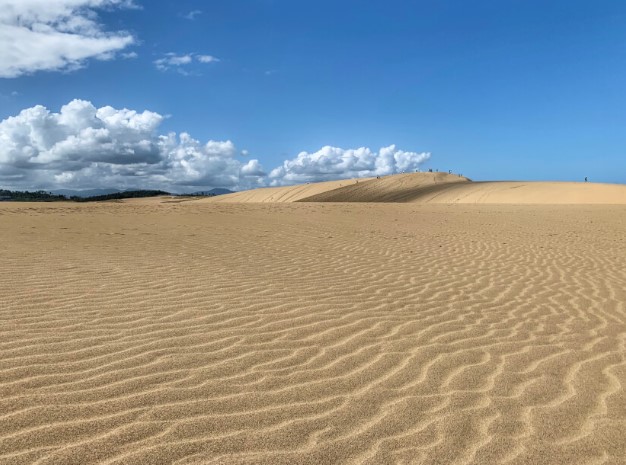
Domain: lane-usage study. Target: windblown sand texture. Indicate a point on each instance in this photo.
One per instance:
(159, 331)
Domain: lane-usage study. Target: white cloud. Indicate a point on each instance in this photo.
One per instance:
(83, 147)
(252, 168)
(207, 59)
(172, 61)
(192, 15)
(330, 163)
(57, 35)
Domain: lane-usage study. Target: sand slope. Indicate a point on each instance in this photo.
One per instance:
(439, 188)
(312, 333)
(392, 190)
(285, 194)
(397, 188)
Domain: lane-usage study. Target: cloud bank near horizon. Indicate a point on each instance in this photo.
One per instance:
(331, 163)
(84, 147)
(59, 35)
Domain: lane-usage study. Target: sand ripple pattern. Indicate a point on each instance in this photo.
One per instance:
(196, 333)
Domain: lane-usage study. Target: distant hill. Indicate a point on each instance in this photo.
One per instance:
(84, 193)
(214, 191)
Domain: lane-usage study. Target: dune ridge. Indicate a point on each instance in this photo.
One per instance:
(312, 333)
(285, 194)
(438, 188)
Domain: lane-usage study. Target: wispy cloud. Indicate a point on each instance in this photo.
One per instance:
(176, 62)
(192, 15)
(207, 59)
(10, 95)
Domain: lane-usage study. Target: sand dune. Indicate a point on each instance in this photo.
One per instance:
(364, 189)
(285, 194)
(439, 188)
(394, 190)
(152, 332)
(397, 188)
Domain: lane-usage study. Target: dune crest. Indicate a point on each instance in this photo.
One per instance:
(286, 194)
(396, 188)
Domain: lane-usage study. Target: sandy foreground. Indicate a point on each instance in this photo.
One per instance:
(157, 332)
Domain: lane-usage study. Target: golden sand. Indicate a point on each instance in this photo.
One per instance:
(287, 194)
(159, 331)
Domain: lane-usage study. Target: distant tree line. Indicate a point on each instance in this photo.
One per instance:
(199, 194)
(43, 196)
(27, 196)
(120, 196)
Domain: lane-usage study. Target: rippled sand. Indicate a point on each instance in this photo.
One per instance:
(154, 332)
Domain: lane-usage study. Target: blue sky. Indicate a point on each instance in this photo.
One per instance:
(492, 89)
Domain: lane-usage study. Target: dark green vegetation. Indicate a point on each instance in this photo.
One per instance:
(120, 196)
(43, 196)
(26, 196)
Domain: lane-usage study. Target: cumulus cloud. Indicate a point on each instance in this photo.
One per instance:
(37, 35)
(330, 163)
(83, 147)
(252, 169)
(177, 62)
